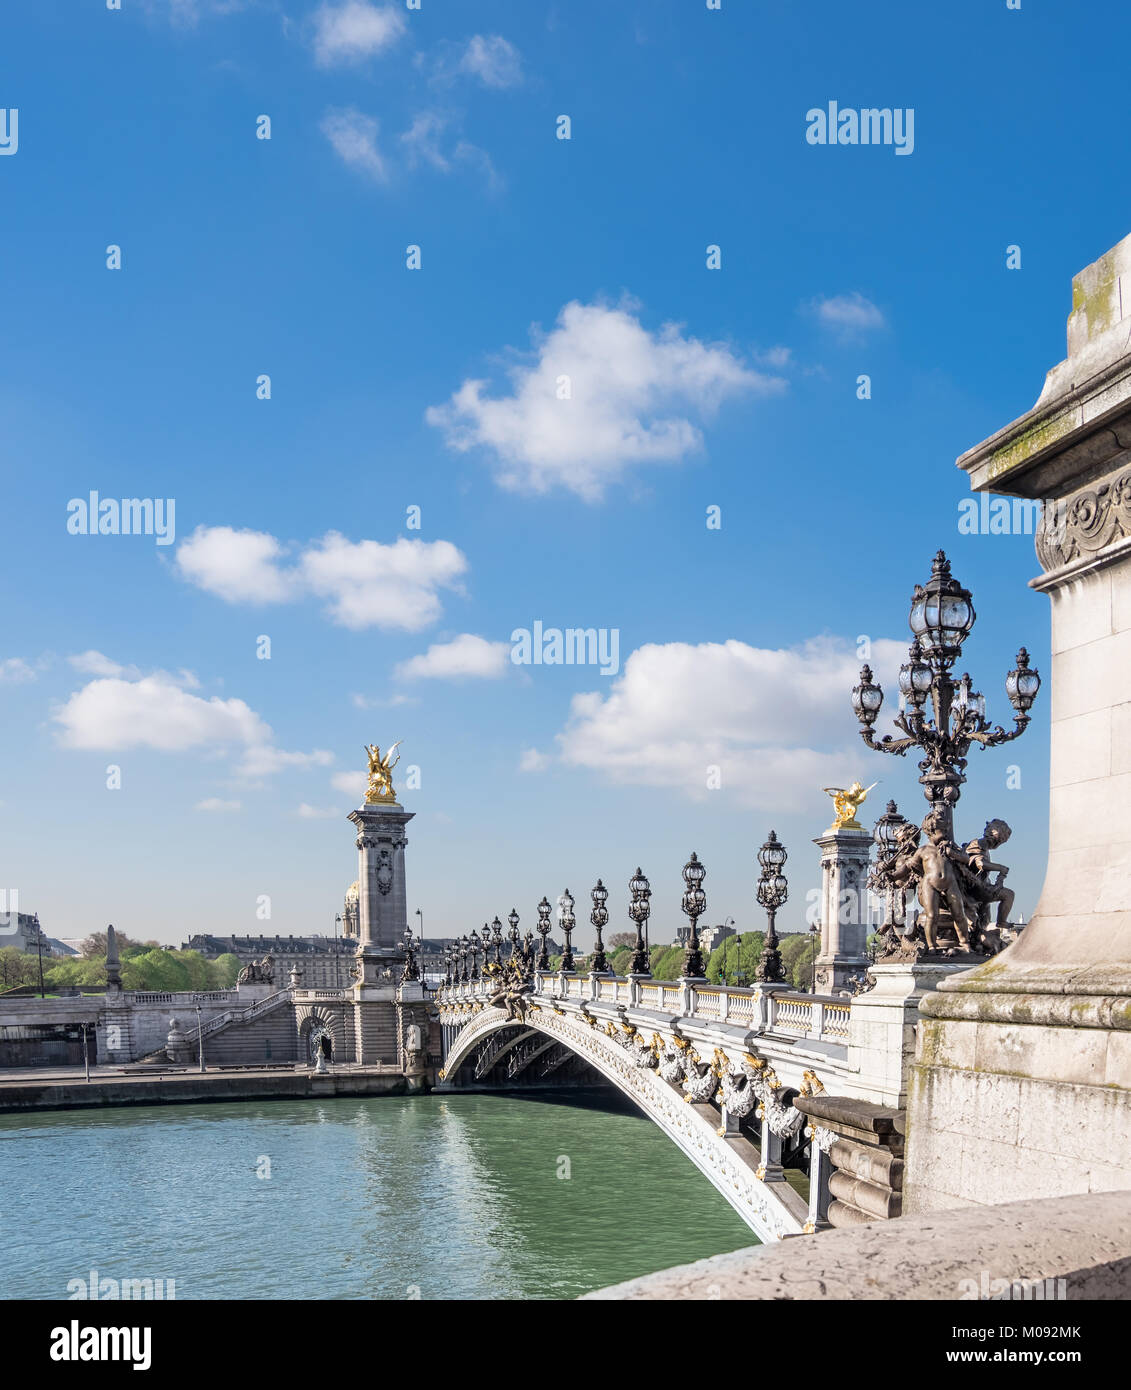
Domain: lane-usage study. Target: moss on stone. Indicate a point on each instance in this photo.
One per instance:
(1031, 442)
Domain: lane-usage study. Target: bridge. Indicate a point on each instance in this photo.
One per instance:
(717, 1068)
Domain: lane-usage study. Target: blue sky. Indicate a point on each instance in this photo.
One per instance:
(540, 257)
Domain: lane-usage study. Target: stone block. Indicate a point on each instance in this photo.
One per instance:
(1082, 749)
(1082, 613)
(1067, 1054)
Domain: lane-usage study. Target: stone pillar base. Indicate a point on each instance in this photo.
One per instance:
(1015, 1095)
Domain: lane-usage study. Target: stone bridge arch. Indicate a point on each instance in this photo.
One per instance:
(771, 1209)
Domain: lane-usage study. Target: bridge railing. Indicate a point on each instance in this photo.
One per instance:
(770, 1009)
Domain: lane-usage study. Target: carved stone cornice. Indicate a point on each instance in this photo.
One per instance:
(1086, 522)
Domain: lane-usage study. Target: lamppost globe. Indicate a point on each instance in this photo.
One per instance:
(772, 855)
(915, 677)
(942, 615)
(1021, 685)
(867, 698)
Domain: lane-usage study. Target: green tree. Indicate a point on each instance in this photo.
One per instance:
(225, 970)
(74, 971)
(738, 956)
(798, 952)
(19, 968)
(619, 939)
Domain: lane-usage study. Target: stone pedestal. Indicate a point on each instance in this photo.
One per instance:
(1022, 1084)
(881, 1028)
(845, 856)
(382, 919)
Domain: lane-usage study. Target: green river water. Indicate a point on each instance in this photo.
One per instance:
(432, 1197)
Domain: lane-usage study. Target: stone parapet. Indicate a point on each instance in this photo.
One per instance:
(1074, 1248)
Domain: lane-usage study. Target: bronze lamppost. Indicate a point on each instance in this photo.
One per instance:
(567, 921)
(411, 970)
(475, 945)
(773, 890)
(497, 940)
(513, 919)
(639, 911)
(887, 833)
(599, 917)
(544, 932)
(942, 615)
(694, 905)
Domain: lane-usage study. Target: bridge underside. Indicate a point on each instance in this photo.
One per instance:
(489, 1050)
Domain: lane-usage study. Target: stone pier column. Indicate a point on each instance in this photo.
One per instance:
(845, 856)
(1022, 1082)
(382, 919)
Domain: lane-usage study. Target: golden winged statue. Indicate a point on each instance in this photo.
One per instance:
(381, 773)
(846, 802)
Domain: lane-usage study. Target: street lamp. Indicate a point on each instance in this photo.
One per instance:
(694, 905)
(544, 932)
(773, 890)
(942, 615)
(639, 911)
(599, 917)
(337, 925)
(513, 919)
(886, 833)
(497, 940)
(475, 944)
(567, 922)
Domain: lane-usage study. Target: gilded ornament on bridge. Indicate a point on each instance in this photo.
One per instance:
(846, 802)
(380, 788)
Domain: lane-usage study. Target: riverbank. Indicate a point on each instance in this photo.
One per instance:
(59, 1090)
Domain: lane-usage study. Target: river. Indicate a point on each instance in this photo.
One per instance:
(431, 1197)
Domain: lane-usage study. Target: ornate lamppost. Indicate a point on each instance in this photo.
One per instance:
(544, 932)
(567, 921)
(694, 905)
(464, 948)
(773, 889)
(599, 917)
(513, 919)
(475, 944)
(497, 940)
(887, 833)
(942, 615)
(411, 970)
(639, 911)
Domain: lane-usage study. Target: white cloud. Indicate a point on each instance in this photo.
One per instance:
(238, 566)
(354, 31)
(366, 584)
(351, 783)
(533, 761)
(427, 142)
(262, 759)
(92, 663)
(154, 712)
(850, 315)
(389, 586)
(308, 812)
(466, 655)
(354, 138)
(632, 393)
(217, 805)
(495, 61)
(14, 670)
(777, 723)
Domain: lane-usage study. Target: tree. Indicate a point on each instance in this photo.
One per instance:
(620, 939)
(225, 970)
(738, 956)
(18, 968)
(798, 952)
